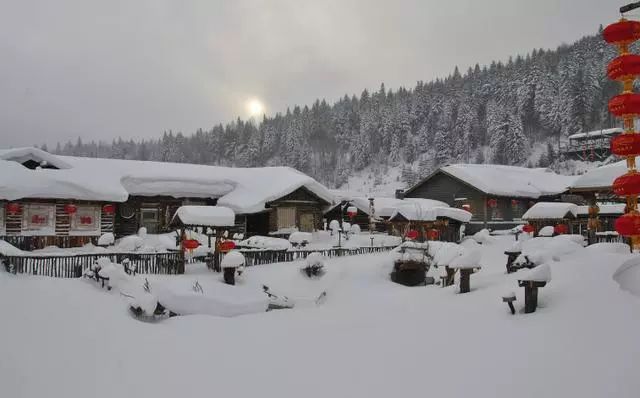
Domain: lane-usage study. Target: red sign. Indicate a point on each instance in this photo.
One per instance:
(108, 209)
(13, 208)
(70, 208)
(226, 246)
(38, 219)
(86, 220)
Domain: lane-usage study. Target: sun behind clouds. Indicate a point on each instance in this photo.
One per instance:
(255, 107)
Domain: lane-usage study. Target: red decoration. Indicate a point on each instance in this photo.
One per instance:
(466, 207)
(628, 224)
(528, 228)
(226, 246)
(627, 184)
(514, 202)
(36, 219)
(108, 209)
(190, 244)
(492, 202)
(560, 229)
(86, 220)
(622, 32)
(624, 67)
(412, 234)
(626, 104)
(626, 145)
(433, 234)
(13, 208)
(70, 208)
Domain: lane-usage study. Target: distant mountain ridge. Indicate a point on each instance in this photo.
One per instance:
(506, 113)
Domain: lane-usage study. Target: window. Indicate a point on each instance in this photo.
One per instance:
(286, 217)
(149, 218)
(517, 209)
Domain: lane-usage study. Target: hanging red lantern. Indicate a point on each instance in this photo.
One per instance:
(624, 67)
(433, 234)
(190, 244)
(515, 202)
(624, 105)
(352, 211)
(108, 209)
(70, 208)
(626, 145)
(13, 208)
(627, 184)
(622, 32)
(226, 246)
(628, 224)
(492, 202)
(412, 234)
(528, 228)
(466, 207)
(560, 229)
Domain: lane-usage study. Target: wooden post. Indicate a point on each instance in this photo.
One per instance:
(465, 278)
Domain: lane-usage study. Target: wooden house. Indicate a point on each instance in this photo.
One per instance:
(544, 214)
(69, 201)
(426, 217)
(497, 196)
(591, 146)
(378, 208)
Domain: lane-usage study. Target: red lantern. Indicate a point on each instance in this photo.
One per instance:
(528, 228)
(108, 209)
(628, 224)
(514, 202)
(466, 207)
(70, 208)
(560, 229)
(13, 208)
(226, 246)
(626, 104)
(492, 202)
(622, 32)
(412, 234)
(627, 184)
(433, 234)
(624, 67)
(626, 145)
(190, 244)
(352, 211)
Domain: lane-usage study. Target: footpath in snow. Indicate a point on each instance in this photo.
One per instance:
(371, 338)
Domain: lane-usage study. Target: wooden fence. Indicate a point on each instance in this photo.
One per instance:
(73, 266)
(258, 257)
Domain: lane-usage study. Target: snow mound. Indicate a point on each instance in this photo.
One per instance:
(628, 276)
(301, 237)
(315, 259)
(550, 211)
(106, 239)
(223, 301)
(615, 248)
(541, 273)
(265, 242)
(469, 259)
(7, 249)
(483, 236)
(546, 231)
(233, 259)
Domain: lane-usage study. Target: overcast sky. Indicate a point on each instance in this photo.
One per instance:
(133, 68)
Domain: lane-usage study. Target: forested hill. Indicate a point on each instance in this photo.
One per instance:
(494, 114)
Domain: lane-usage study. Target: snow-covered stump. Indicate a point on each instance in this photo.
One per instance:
(230, 262)
(314, 265)
(532, 281)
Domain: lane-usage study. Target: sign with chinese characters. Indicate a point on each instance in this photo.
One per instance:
(39, 220)
(3, 226)
(85, 221)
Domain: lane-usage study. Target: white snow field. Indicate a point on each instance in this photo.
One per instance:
(370, 338)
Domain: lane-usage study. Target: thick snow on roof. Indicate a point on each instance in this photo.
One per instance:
(597, 133)
(211, 216)
(245, 190)
(510, 180)
(617, 208)
(550, 211)
(427, 210)
(601, 177)
(21, 155)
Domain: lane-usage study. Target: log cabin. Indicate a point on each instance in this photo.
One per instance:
(69, 201)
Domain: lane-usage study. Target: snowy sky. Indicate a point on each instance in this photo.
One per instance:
(103, 69)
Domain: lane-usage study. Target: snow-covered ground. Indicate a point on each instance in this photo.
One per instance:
(370, 338)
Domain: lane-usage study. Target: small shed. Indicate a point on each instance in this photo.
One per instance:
(414, 215)
(605, 218)
(544, 214)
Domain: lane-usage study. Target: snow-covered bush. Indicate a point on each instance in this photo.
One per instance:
(315, 259)
(483, 236)
(545, 249)
(546, 231)
(142, 232)
(334, 226)
(107, 239)
(468, 259)
(265, 242)
(355, 229)
(114, 272)
(301, 238)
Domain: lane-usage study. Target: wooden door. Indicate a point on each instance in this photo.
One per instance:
(307, 222)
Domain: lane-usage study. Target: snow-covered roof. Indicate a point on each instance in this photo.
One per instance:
(21, 155)
(511, 181)
(425, 210)
(617, 208)
(597, 133)
(244, 190)
(210, 216)
(600, 177)
(550, 211)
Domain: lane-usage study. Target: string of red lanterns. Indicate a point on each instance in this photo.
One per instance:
(625, 68)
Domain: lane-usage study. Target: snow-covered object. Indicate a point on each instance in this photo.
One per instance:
(628, 276)
(115, 272)
(223, 301)
(421, 211)
(546, 231)
(601, 177)
(612, 247)
(546, 249)
(265, 242)
(130, 243)
(483, 236)
(541, 273)
(245, 190)
(444, 252)
(314, 259)
(409, 252)
(212, 216)
(346, 227)
(608, 209)
(575, 238)
(233, 259)
(469, 244)
(106, 239)
(510, 180)
(142, 232)
(355, 229)
(7, 249)
(147, 302)
(301, 237)
(352, 210)
(334, 225)
(469, 259)
(550, 211)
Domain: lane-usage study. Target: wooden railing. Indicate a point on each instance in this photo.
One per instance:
(258, 257)
(73, 266)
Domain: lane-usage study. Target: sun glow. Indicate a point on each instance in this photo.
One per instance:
(255, 107)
